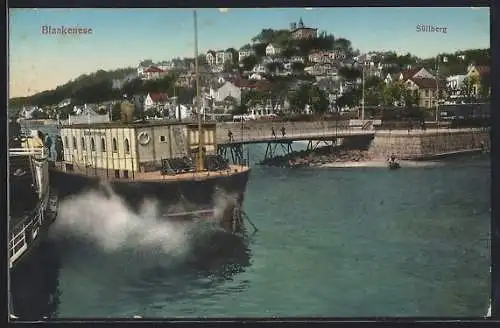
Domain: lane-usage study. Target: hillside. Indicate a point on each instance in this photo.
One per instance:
(94, 87)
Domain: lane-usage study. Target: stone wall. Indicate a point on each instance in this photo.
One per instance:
(420, 144)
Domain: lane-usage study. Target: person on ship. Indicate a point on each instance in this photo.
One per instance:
(48, 144)
(59, 149)
(230, 135)
(273, 132)
(283, 131)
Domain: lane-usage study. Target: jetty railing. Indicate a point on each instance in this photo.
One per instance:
(253, 134)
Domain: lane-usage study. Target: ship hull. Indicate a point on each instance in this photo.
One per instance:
(181, 199)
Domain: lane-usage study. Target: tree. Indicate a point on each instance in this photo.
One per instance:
(298, 67)
(249, 62)
(146, 63)
(318, 100)
(350, 73)
(467, 89)
(485, 88)
(260, 49)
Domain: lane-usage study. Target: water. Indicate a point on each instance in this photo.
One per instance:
(331, 242)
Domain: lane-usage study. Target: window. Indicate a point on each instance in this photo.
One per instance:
(74, 142)
(162, 138)
(127, 146)
(103, 144)
(427, 103)
(427, 92)
(92, 144)
(115, 145)
(83, 143)
(66, 143)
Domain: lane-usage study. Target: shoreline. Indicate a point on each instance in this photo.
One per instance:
(378, 163)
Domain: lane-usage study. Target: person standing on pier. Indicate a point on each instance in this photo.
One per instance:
(230, 135)
(273, 133)
(283, 131)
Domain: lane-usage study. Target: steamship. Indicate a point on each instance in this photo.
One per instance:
(32, 204)
(174, 162)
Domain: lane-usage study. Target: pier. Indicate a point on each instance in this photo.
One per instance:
(314, 133)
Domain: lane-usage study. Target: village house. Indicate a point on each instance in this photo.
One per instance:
(272, 50)
(221, 57)
(454, 85)
(427, 89)
(300, 32)
(210, 57)
(228, 89)
(317, 56)
(296, 59)
(166, 66)
(477, 74)
(155, 101)
(391, 77)
(415, 73)
(64, 103)
(244, 52)
(260, 69)
(152, 73)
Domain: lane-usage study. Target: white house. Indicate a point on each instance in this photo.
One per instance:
(260, 69)
(244, 53)
(221, 57)
(210, 58)
(256, 77)
(454, 84)
(415, 73)
(228, 89)
(64, 103)
(155, 100)
(152, 73)
(272, 50)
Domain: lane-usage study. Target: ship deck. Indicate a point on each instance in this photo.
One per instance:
(152, 176)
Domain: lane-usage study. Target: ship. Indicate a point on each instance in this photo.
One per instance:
(32, 203)
(171, 161)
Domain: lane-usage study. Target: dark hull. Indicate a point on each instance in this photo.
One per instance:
(173, 196)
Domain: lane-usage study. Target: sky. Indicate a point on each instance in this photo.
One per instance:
(123, 37)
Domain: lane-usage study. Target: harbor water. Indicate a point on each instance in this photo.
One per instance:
(336, 242)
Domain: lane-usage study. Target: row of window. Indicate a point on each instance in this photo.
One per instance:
(103, 144)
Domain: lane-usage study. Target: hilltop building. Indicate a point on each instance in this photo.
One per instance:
(300, 32)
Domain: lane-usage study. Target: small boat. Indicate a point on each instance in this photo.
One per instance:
(394, 165)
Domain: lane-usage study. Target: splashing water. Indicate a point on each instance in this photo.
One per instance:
(110, 224)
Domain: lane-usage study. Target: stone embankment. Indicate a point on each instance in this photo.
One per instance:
(428, 144)
(319, 157)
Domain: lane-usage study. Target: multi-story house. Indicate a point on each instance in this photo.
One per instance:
(221, 57)
(244, 52)
(152, 73)
(210, 58)
(454, 85)
(228, 89)
(260, 69)
(272, 50)
(299, 32)
(415, 73)
(478, 74)
(296, 59)
(426, 89)
(155, 101)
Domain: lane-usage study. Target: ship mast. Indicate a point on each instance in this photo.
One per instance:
(198, 107)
